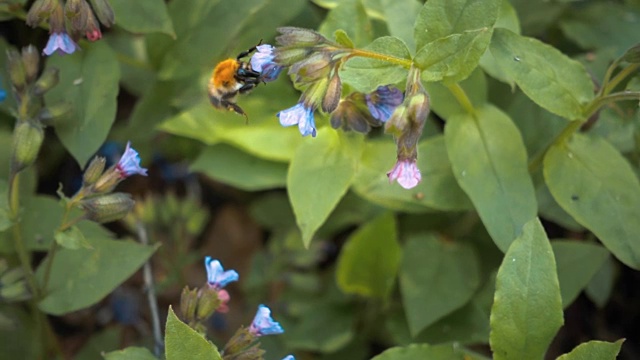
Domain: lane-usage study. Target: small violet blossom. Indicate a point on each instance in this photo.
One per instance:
(262, 62)
(406, 172)
(129, 163)
(263, 324)
(60, 42)
(300, 115)
(383, 102)
(224, 297)
(216, 276)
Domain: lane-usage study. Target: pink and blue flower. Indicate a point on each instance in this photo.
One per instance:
(406, 172)
(216, 276)
(129, 163)
(262, 62)
(61, 43)
(383, 102)
(263, 324)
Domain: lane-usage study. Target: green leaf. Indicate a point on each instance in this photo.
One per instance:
(453, 57)
(441, 18)
(489, 162)
(82, 277)
(507, 19)
(130, 353)
(603, 25)
(400, 16)
(437, 190)
(527, 307)
(548, 77)
(89, 84)
(577, 263)
(5, 221)
(237, 168)
(422, 351)
(594, 350)
(320, 174)
(436, 278)
(366, 74)
(369, 260)
(72, 238)
(593, 183)
(100, 342)
(601, 285)
(349, 16)
(143, 16)
(207, 30)
(182, 342)
(262, 136)
(326, 328)
(445, 104)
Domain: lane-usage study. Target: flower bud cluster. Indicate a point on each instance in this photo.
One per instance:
(314, 63)
(67, 19)
(28, 87)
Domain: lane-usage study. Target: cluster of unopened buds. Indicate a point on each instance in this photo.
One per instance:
(69, 18)
(199, 304)
(314, 63)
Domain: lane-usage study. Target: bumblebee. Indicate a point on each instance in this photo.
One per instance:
(230, 78)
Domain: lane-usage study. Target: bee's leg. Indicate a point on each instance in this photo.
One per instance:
(247, 87)
(238, 110)
(249, 51)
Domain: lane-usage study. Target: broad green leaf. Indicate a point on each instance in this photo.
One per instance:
(100, 342)
(207, 30)
(436, 277)
(400, 16)
(597, 186)
(546, 75)
(527, 307)
(137, 75)
(445, 104)
(182, 342)
(536, 18)
(262, 136)
(72, 238)
(237, 168)
(489, 162)
(441, 18)
(366, 74)
(349, 16)
(143, 16)
(437, 190)
(422, 351)
(326, 328)
(130, 353)
(89, 84)
(508, 19)
(369, 260)
(601, 285)
(594, 350)
(577, 262)
(603, 25)
(454, 57)
(80, 278)
(320, 173)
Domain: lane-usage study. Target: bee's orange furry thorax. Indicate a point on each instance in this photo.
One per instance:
(224, 73)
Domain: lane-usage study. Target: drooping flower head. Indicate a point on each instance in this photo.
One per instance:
(263, 324)
(129, 163)
(406, 172)
(216, 276)
(263, 62)
(300, 115)
(61, 43)
(383, 101)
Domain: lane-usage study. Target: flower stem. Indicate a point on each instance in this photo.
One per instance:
(623, 74)
(564, 135)
(460, 95)
(406, 63)
(151, 293)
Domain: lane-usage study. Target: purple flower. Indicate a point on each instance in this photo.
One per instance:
(216, 276)
(263, 324)
(383, 102)
(300, 115)
(262, 62)
(129, 163)
(406, 172)
(60, 42)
